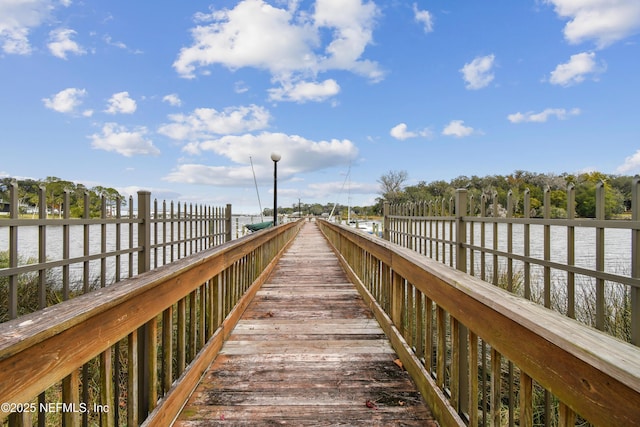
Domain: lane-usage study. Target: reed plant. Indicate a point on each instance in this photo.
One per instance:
(617, 309)
(617, 299)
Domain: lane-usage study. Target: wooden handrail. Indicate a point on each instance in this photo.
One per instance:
(42, 348)
(595, 375)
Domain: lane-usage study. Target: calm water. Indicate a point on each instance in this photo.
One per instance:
(617, 244)
(28, 249)
(617, 249)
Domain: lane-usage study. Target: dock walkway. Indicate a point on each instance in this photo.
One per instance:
(307, 352)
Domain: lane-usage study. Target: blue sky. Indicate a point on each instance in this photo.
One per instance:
(179, 98)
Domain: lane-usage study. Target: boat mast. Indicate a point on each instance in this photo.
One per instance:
(256, 184)
(348, 195)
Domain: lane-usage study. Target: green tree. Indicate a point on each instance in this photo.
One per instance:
(111, 196)
(586, 200)
(624, 184)
(55, 188)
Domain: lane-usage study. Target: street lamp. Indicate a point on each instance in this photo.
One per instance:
(276, 158)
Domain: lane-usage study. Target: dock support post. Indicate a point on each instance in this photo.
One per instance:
(385, 221)
(635, 262)
(463, 332)
(144, 264)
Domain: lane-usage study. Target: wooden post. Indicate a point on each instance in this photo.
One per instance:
(461, 229)
(473, 379)
(144, 265)
(167, 349)
(635, 262)
(463, 332)
(106, 388)
(547, 247)
(386, 222)
(571, 253)
(227, 226)
(526, 400)
(13, 252)
(600, 216)
(133, 389)
(71, 395)
(527, 244)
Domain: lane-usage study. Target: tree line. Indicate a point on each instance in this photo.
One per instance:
(55, 188)
(618, 190)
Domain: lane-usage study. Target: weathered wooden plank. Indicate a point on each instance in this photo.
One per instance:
(319, 347)
(337, 374)
(304, 416)
(307, 352)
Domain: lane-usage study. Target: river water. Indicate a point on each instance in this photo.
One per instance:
(617, 244)
(617, 249)
(28, 245)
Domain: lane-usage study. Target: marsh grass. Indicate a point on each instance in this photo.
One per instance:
(617, 323)
(28, 299)
(617, 299)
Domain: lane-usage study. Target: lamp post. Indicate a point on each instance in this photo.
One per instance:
(276, 158)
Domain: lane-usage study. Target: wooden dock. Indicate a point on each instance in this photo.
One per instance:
(307, 352)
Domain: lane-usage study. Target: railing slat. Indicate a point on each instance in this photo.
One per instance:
(526, 400)
(71, 396)
(167, 349)
(473, 379)
(107, 399)
(496, 388)
(133, 390)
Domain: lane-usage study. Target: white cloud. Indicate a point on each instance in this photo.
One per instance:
(61, 43)
(458, 129)
(305, 91)
(220, 176)
(205, 123)
(17, 19)
(328, 190)
(286, 42)
(172, 99)
(298, 155)
(352, 22)
(109, 40)
(631, 163)
(400, 132)
(542, 116)
(576, 70)
(604, 21)
(66, 101)
(252, 34)
(118, 139)
(477, 73)
(424, 17)
(121, 103)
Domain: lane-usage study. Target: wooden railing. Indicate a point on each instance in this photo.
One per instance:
(483, 356)
(52, 258)
(142, 343)
(585, 268)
